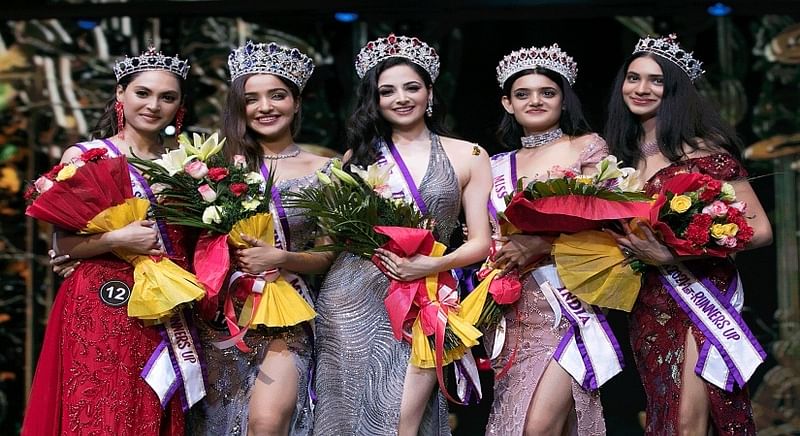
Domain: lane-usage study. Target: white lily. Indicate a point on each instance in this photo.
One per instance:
(212, 215)
(374, 176)
(608, 168)
(200, 146)
(173, 161)
(630, 180)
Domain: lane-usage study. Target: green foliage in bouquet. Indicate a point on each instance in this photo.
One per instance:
(196, 186)
(347, 206)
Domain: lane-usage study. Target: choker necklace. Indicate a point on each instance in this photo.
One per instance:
(649, 148)
(540, 139)
(288, 155)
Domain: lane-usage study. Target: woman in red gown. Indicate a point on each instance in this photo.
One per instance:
(658, 120)
(88, 379)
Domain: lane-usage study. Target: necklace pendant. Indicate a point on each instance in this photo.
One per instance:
(540, 139)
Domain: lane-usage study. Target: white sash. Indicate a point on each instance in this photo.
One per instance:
(731, 353)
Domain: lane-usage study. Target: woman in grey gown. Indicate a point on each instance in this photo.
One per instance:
(365, 385)
(265, 391)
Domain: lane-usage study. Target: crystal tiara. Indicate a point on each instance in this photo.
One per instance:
(261, 58)
(151, 60)
(393, 46)
(667, 47)
(552, 58)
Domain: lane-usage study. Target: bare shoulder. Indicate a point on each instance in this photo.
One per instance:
(460, 148)
(71, 153)
(580, 143)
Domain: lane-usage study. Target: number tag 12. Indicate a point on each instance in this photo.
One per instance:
(115, 293)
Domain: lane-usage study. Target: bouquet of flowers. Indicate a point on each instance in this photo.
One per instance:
(348, 207)
(569, 202)
(357, 212)
(589, 262)
(699, 215)
(198, 188)
(93, 194)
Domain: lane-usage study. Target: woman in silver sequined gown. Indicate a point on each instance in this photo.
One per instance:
(536, 396)
(265, 391)
(365, 385)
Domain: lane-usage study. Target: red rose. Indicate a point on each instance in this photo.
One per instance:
(238, 188)
(54, 171)
(711, 191)
(216, 174)
(93, 154)
(30, 192)
(745, 233)
(697, 230)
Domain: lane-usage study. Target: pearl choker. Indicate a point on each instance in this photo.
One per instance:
(288, 155)
(540, 139)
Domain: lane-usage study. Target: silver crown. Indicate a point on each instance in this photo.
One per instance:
(261, 58)
(667, 47)
(551, 58)
(151, 60)
(393, 46)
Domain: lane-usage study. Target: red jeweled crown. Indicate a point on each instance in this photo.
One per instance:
(552, 58)
(668, 48)
(391, 46)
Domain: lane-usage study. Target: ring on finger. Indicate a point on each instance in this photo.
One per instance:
(627, 252)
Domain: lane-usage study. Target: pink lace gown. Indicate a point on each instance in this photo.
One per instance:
(531, 337)
(658, 328)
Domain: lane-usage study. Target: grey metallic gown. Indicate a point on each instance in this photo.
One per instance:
(231, 373)
(361, 367)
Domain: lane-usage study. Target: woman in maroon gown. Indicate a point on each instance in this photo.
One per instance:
(88, 379)
(658, 120)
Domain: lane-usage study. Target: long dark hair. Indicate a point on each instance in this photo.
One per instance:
(366, 125)
(240, 139)
(684, 116)
(572, 121)
(106, 126)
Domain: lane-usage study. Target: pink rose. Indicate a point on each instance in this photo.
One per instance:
(43, 184)
(196, 169)
(207, 193)
(727, 241)
(240, 161)
(716, 209)
(738, 205)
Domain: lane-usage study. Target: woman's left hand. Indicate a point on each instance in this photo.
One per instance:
(260, 257)
(647, 247)
(406, 269)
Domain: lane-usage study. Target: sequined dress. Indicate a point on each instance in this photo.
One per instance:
(531, 335)
(361, 367)
(88, 379)
(232, 373)
(658, 328)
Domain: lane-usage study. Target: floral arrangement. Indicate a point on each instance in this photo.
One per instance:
(569, 202)
(697, 214)
(93, 194)
(197, 188)
(348, 206)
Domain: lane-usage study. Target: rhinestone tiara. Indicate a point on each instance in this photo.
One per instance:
(151, 60)
(552, 58)
(667, 47)
(393, 46)
(262, 58)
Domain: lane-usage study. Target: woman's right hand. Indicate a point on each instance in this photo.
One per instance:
(62, 265)
(519, 251)
(138, 237)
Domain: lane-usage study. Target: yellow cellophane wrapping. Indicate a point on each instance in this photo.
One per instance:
(281, 304)
(159, 285)
(591, 265)
(473, 304)
(462, 324)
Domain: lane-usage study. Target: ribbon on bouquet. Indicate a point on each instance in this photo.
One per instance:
(730, 353)
(589, 352)
(176, 364)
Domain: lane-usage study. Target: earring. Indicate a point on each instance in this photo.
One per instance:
(179, 120)
(119, 109)
(429, 109)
